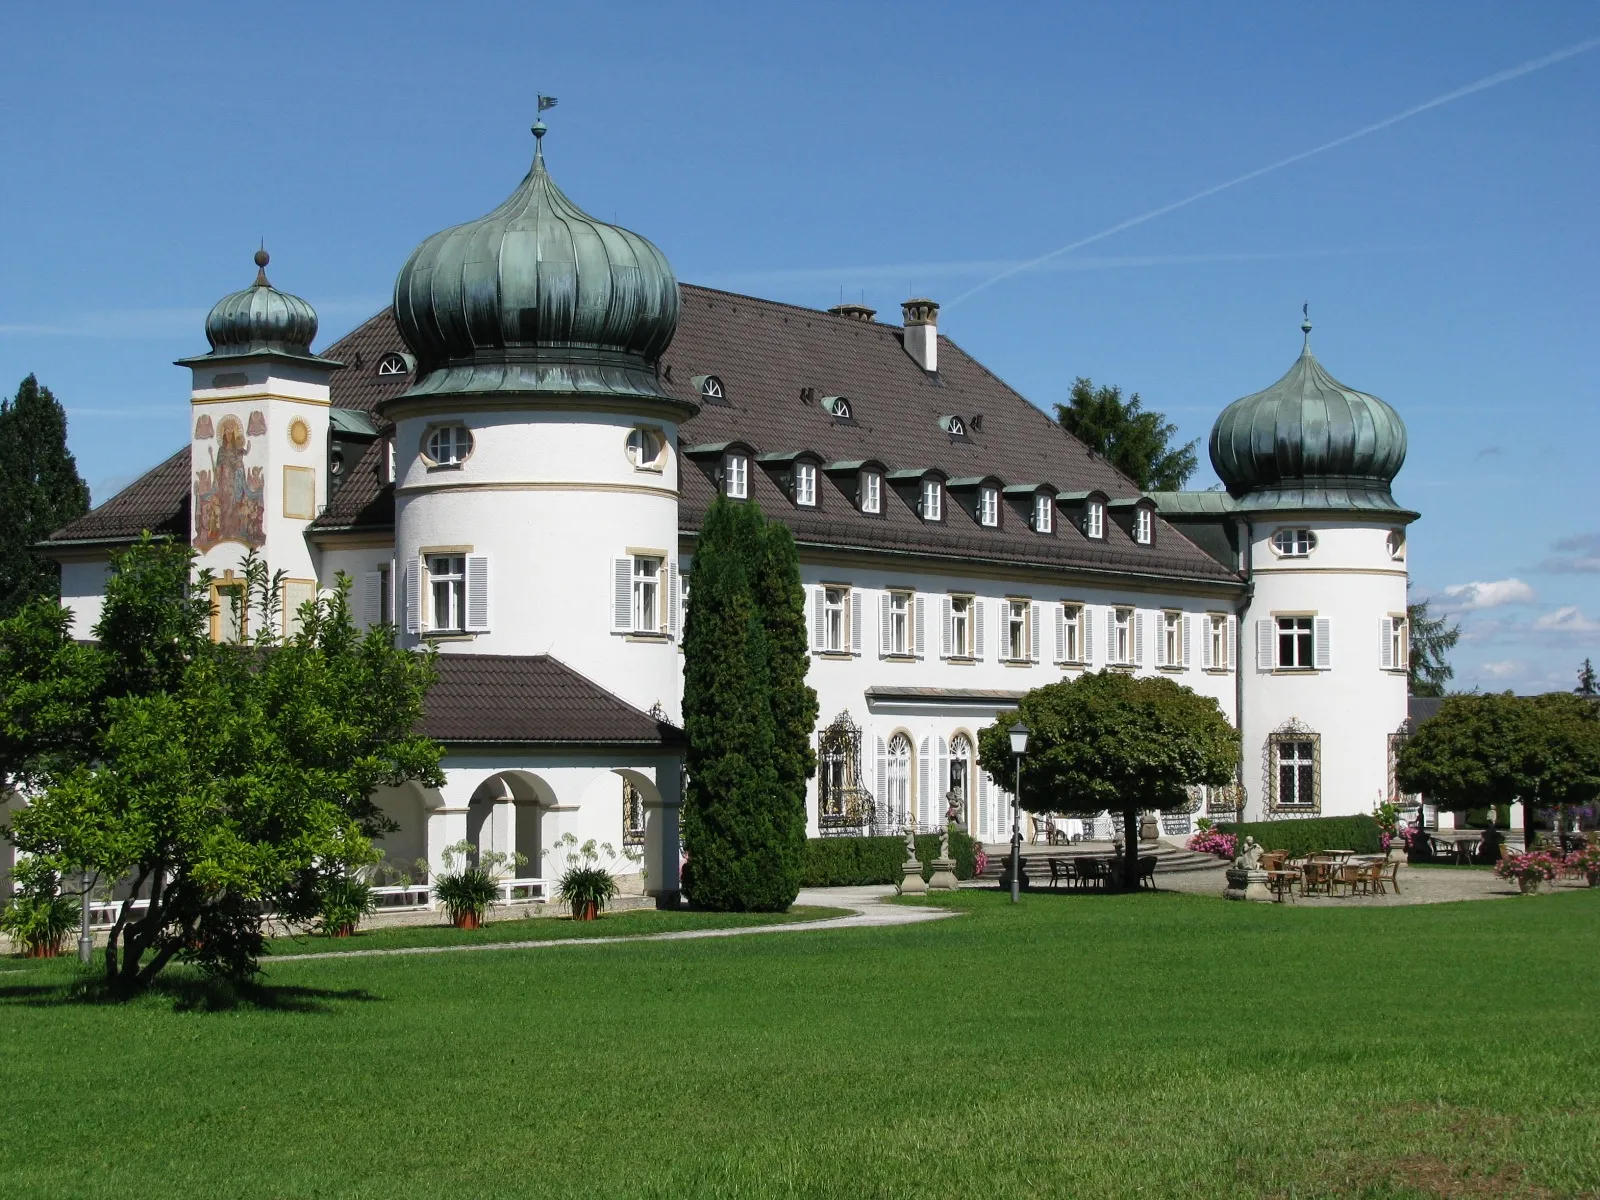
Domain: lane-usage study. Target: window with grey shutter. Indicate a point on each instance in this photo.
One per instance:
(477, 593)
(941, 782)
(622, 595)
(819, 617)
(1033, 633)
(1266, 632)
(1233, 643)
(885, 633)
(924, 787)
(674, 599)
(1111, 637)
(1138, 639)
(1088, 636)
(945, 617)
(1188, 625)
(1324, 635)
(855, 620)
(921, 645)
(977, 629)
(372, 598)
(1386, 642)
(883, 777)
(1205, 645)
(414, 595)
(1061, 634)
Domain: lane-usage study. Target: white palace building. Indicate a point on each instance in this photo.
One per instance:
(512, 461)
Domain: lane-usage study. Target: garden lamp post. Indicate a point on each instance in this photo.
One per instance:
(85, 938)
(1019, 747)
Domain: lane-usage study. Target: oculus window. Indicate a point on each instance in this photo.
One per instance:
(1294, 543)
(449, 445)
(711, 389)
(645, 447)
(394, 364)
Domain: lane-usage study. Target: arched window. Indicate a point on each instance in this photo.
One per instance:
(711, 389)
(632, 814)
(394, 364)
(959, 786)
(897, 792)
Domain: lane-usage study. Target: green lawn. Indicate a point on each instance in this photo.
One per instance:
(543, 929)
(1103, 1046)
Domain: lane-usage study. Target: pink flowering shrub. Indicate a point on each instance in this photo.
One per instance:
(1212, 841)
(1407, 834)
(980, 862)
(1535, 865)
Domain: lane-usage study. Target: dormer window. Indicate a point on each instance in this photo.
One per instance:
(1043, 512)
(448, 445)
(394, 363)
(1143, 526)
(932, 500)
(805, 484)
(1294, 543)
(1094, 519)
(736, 476)
(838, 407)
(989, 507)
(869, 492)
(710, 389)
(954, 426)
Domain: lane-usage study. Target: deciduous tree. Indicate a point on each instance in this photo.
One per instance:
(1110, 740)
(40, 491)
(1135, 441)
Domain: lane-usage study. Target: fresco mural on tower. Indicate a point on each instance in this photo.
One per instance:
(230, 497)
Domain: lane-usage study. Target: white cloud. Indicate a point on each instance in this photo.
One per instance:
(1500, 670)
(1567, 619)
(1469, 597)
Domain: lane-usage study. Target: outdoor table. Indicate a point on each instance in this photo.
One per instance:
(1281, 883)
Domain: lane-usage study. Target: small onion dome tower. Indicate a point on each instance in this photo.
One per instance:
(261, 320)
(537, 296)
(1308, 441)
(1324, 639)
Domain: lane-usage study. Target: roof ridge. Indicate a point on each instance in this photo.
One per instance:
(815, 312)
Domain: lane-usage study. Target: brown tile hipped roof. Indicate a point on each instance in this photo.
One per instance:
(532, 699)
(158, 501)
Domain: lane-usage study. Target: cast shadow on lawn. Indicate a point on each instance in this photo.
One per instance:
(189, 992)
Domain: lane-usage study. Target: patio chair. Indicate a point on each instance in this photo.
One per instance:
(1147, 870)
(1317, 877)
(1061, 871)
(1390, 872)
(1374, 883)
(1281, 883)
(1350, 876)
(1089, 873)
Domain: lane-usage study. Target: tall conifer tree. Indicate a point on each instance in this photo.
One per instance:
(736, 856)
(40, 491)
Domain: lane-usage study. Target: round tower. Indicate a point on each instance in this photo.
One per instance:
(1324, 641)
(536, 455)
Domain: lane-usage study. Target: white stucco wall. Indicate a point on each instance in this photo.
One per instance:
(1354, 704)
(83, 590)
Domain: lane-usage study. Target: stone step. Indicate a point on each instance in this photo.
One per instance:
(1035, 865)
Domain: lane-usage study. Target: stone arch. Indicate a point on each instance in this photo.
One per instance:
(506, 814)
(646, 847)
(405, 849)
(964, 748)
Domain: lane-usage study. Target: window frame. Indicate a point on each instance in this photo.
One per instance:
(736, 466)
(1017, 612)
(639, 463)
(1303, 632)
(1301, 541)
(1074, 647)
(456, 430)
(648, 584)
(988, 507)
(832, 608)
(1123, 618)
(1044, 507)
(963, 611)
(1307, 770)
(901, 647)
(1217, 633)
(869, 492)
(931, 496)
(454, 580)
(1400, 643)
(1171, 633)
(1094, 520)
(805, 484)
(1144, 526)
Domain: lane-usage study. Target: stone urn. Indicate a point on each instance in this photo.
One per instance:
(1247, 883)
(1593, 876)
(1529, 885)
(1149, 830)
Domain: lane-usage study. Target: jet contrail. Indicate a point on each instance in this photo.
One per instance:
(1488, 81)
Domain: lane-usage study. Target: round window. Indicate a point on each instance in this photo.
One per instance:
(1294, 543)
(449, 444)
(644, 447)
(1397, 544)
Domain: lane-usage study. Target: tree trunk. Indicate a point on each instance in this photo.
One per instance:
(1130, 848)
(1527, 825)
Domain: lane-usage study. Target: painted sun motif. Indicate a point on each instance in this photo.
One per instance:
(299, 434)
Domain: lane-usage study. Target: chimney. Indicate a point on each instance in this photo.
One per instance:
(856, 312)
(921, 339)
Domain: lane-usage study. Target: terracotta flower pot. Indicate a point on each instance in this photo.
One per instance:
(1594, 877)
(467, 920)
(344, 931)
(587, 911)
(45, 950)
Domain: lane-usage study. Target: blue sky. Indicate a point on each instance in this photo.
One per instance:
(805, 152)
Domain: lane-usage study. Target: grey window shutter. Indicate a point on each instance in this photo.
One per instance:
(1264, 637)
(1061, 634)
(1138, 638)
(1188, 625)
(1111, 636)
(1033, 632)
(1161, 641)
(921, 645)
(622, 595)
(1087, 640)
(977, 629)
(1323, 628)
(477, 593)
(1205, 647)
(945, 616)
(818, 618)
(924, 785)
(885, 631)
(674, 601)
(983, 803)
(372, 598)
(1386, 642)
(413, 595)
(1233, 643)
(855, 621)
(883, 780)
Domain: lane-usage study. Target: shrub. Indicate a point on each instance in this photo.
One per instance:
(1214, 841)
(1536, 865)
(857, 861)
(1311, 835)
(39, 921)
(471, 889)
(586, 876)
(345, 901)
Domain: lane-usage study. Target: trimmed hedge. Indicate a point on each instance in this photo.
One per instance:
(1312, 834)
(854, 861)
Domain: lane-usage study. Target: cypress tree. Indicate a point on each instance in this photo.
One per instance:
(40, 491)
(736, 856)
(782, 600)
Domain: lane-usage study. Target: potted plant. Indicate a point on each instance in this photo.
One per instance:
(586, 883)
(1587, 860)
(37, 918)
(1529, 870)
(346, 899)
(469, 890)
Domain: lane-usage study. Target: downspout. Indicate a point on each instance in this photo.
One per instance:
(1247, 568)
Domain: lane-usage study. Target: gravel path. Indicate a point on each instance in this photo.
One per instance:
(870, 911)
(1418, 885)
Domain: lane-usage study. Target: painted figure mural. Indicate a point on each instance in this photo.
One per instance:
(230, 498)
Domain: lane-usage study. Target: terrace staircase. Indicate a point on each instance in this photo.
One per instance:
(1170, 859)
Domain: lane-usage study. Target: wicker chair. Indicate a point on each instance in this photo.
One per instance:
(1147, 871)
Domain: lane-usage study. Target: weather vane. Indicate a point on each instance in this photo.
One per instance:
(538, 122)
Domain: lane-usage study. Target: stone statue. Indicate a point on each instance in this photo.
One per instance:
(952, 808)
(944, 842)
(911, 843)
(1249, 858)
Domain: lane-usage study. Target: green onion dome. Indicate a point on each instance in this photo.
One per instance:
(537, 296)
(1309, 442)
(261, 319)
